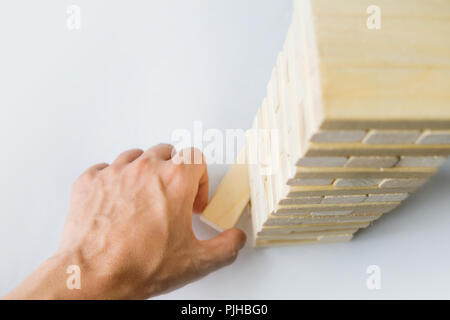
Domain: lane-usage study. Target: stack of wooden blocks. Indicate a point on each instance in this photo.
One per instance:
(325, 167)
(355, 119)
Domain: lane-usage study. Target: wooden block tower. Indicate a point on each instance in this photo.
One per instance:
(355, 119)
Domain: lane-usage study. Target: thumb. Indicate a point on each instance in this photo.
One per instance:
(221, 250)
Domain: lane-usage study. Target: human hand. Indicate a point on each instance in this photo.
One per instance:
(129, 229)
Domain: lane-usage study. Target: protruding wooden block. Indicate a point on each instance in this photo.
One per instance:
(231, 197)
(435, 137)
(338, 136)
(371, 162)
(387, 197)
(402, 183)
(322, 162)
(356, 182)
(421, 161)
(344, 199)
(391, 137)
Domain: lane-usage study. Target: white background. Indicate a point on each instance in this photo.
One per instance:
(135, 72)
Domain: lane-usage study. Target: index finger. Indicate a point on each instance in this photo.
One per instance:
(194, 162)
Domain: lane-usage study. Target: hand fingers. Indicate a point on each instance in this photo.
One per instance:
(127, 157)
(161, 151)
(201, 199)
(220, 251)
(194, 162)
(98, 167)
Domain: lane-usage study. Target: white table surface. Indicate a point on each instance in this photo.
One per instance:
(135, 72)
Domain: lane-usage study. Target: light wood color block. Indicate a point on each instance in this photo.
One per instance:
(401, 91)
(435, 137)
(361, 149)
(296, 191)
(391, 137)
(371, 162)
(387, 197)
(294, 220)
(359, 173)
(331, 213)
(321, 240)
(356, 182)
(421, 161)
(344, 199)
(304, 200)
(322, 162)
(316, 227)
(402, 183)
(338, 136)
(310, 182)
(381, 207)
(307, 235)
(231, 197)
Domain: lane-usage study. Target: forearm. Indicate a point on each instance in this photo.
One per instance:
(51, 280)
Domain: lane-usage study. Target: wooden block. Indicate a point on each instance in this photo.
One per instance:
(310, 182)
(371, 162)
(391, 137)
(299, 201)
(381, 207)
(435, 137)
(306, 235)
(344, 199)
(322, 162)
(361, 149)
(361, 173)
(356, 182)
(421, 161)
(331, 213)
(231, 197)
(298, 191)
(295, 220)
(402, 183)
(316, 227)
(321, 240)
(338, 136)
(358, 67)
(387, 197)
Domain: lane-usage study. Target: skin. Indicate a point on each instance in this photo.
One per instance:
(129, 229)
